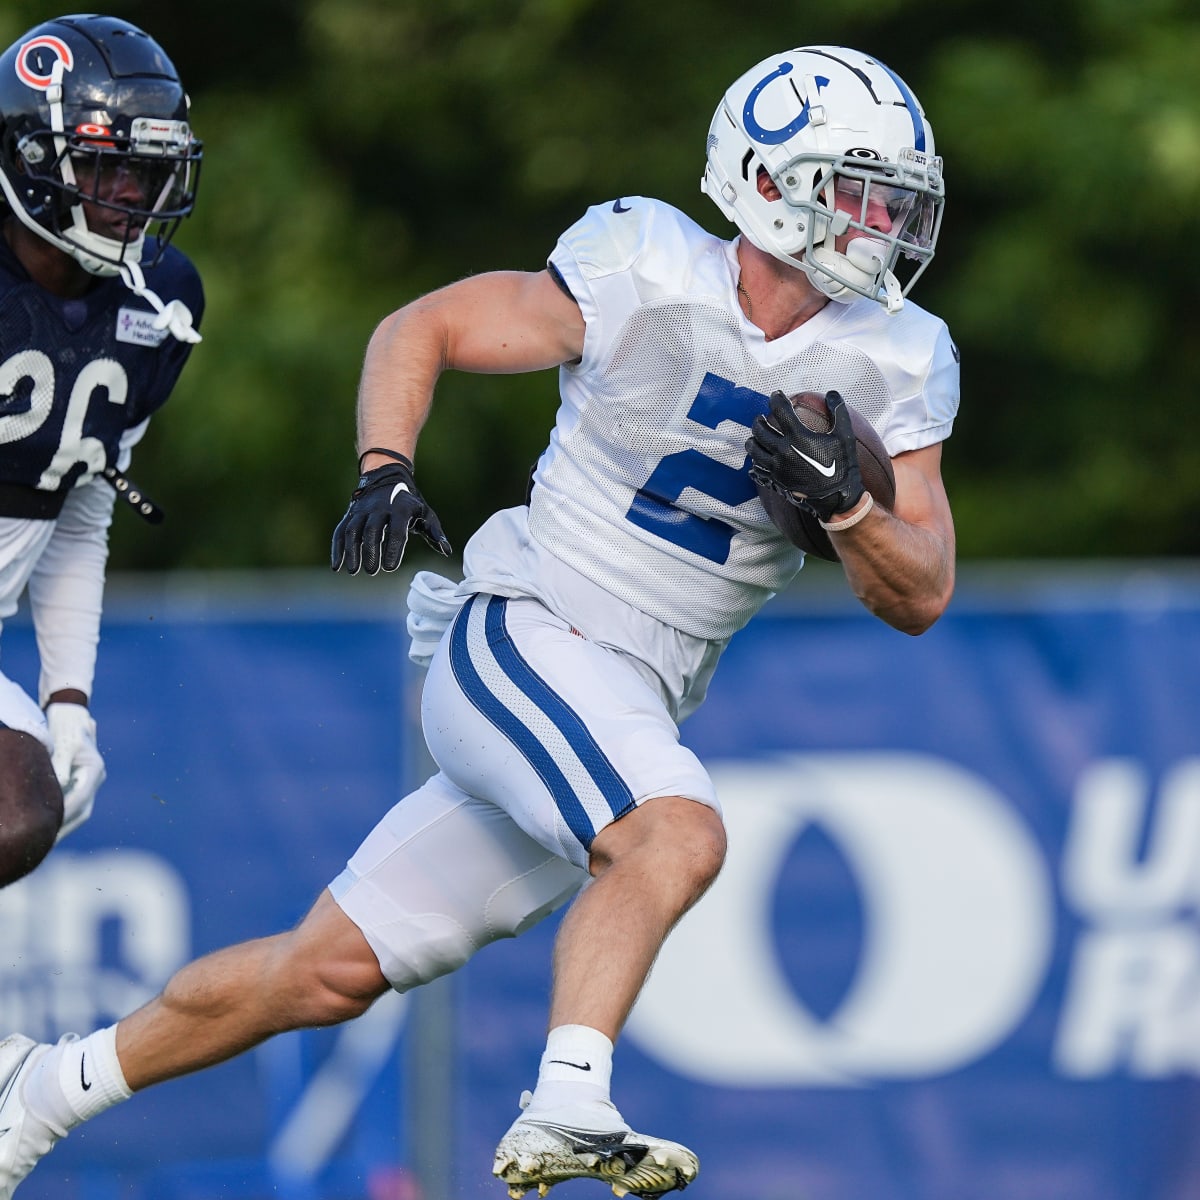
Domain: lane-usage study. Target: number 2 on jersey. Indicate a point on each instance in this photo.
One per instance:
(654, 507)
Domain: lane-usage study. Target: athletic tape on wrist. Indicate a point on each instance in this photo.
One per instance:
(849, 522)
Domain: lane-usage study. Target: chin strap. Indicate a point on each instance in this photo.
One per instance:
(174, 317)
(842, 276)
(869, 255)
(895, 297)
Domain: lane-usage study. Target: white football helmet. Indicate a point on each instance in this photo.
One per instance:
(848, 147)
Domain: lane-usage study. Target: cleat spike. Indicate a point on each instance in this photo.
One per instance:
(545, 1148)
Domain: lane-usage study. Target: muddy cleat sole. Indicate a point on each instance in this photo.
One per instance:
(538, 1153)
(24, 1139)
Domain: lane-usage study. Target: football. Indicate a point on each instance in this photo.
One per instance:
(802, 528)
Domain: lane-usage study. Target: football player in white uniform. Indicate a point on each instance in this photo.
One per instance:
(95, 154)
(590, 620)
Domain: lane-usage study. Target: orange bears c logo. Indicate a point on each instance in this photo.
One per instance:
(36, 60)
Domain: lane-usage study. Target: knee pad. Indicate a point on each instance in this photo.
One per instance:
(442, 875)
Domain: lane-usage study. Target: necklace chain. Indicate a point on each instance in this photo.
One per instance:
(741, 287)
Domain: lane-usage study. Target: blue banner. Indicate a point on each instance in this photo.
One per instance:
(954, 952)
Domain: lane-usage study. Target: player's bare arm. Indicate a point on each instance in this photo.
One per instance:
(899, 560)
(500, 323)
(901, 564)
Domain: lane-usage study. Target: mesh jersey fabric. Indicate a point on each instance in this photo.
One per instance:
(644, 486)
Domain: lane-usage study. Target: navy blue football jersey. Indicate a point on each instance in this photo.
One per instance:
(76, 374)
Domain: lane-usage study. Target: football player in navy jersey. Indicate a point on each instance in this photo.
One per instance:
(98, 165)
(590, 620)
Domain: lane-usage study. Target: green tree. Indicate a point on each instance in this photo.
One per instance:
(362, 152)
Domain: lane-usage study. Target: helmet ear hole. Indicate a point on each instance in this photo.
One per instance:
(766, 186)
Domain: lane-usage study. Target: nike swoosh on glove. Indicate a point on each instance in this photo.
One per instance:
(384, 509)
(817, 471)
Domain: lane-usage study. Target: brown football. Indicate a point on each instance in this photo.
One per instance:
(802, 528)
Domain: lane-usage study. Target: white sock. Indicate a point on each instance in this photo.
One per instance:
(576, 1068)
(77, 1079)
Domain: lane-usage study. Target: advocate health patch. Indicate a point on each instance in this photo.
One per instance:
(136, 327)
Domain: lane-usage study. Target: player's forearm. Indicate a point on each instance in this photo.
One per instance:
(902, 573)
(66, 592)
(498, 323)
(405, 357)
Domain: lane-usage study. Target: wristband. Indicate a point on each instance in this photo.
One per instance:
(400, 458)
(849, 522)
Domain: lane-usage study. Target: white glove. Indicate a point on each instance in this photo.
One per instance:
(76, 760)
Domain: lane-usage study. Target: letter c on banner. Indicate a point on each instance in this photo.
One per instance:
(959, 919)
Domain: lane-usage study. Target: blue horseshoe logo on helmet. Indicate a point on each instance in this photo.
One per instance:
(773, 137)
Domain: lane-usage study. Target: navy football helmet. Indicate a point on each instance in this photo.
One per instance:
(93, 118)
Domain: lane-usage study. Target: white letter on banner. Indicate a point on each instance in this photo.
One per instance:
(1133, 994)
(959, 927)
(51, 926)
(1132, 1003)
(1102, 875)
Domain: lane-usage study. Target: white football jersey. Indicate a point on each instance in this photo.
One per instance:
(645, 486)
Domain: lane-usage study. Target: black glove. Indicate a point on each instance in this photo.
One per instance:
(384, 509)
(816, 471)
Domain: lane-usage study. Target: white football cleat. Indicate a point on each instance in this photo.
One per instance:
(24, 1138)
(547, 1148)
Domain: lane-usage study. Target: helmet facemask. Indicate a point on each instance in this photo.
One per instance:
(60, 172)
(896, 208)
(94, 120)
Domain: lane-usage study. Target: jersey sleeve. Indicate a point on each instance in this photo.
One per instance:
(618, 256)
(925, 416)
